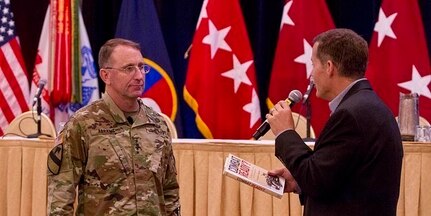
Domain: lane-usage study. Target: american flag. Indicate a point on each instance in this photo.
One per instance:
(14, 90)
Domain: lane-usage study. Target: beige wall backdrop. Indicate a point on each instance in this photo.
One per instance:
(203, 188)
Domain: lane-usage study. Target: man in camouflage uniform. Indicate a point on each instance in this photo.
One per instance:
(117, 150)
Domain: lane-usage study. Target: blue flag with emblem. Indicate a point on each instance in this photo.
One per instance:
(138, 21)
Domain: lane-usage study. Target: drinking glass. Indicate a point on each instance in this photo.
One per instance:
(423, 134)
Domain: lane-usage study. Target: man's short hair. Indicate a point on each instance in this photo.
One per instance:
(107, 49)
(346, 49)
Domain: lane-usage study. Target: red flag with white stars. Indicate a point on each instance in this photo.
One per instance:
(292, 61)
(14, 91)
(221, 82)
(399, 59)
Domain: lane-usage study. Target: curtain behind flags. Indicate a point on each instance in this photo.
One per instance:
(13, 76)
(221, 82)
(138, 21)
(292, 61)
(399, 59)
(51, 54)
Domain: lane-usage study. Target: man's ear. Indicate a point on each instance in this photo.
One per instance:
(330, 68)
(104, 75)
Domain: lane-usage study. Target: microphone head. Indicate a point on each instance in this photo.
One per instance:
(39, 90)
(42, 82)
(295, 96)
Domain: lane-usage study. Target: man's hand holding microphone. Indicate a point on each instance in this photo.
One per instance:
(280, 118)
(282, 123)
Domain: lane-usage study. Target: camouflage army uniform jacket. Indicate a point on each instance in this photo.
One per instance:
(119, 168)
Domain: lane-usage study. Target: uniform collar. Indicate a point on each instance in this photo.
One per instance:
(146, 115)
(116, 112)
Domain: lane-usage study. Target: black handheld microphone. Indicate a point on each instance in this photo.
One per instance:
(294, 97)
(39, 90)
(308, 91)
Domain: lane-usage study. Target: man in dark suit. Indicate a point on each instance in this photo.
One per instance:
(355, 166)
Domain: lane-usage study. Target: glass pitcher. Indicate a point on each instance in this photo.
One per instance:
(408, 115)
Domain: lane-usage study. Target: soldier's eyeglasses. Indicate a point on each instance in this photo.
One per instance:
(131, 69)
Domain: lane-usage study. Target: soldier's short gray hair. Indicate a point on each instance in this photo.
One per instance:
(107, 49)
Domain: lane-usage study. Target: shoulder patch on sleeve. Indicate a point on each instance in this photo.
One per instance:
(55, 158)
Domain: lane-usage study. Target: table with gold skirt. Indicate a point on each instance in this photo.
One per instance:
(23, 176)
(203, 188)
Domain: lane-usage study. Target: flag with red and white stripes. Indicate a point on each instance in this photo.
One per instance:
(14, 91)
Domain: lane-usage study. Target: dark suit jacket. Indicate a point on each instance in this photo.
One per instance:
(355, 166)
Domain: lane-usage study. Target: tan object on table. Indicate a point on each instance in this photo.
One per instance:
(25, 125)
(171, 126)
(423, 121)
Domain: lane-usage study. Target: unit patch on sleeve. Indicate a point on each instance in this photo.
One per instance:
(55, 158)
